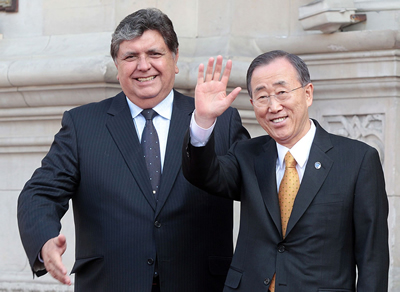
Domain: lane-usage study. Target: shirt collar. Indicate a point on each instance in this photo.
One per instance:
(164, 108)
(300, 150)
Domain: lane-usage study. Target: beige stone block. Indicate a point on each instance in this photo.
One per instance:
(184, 14)
(27, 22)
(262, 18)
(214, 18)
(12, 256)
(77, 16)
(126, 7)
(10, 97)
(23, 47)
(65, 95)
(16, 169)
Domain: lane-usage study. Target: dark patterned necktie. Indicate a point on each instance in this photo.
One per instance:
(151, 150)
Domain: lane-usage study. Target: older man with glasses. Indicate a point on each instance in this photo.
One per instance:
(313, 205)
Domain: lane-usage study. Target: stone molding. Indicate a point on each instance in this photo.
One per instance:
(81, 59)
(382, 5)
(372, 73)
(336, 76)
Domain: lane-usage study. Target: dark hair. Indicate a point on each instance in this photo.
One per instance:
(135, 24)
(267, 58)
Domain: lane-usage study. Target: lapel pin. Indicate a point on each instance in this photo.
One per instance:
(317, 165)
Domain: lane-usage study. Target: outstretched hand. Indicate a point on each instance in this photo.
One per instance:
(51, 254)
(210, 95)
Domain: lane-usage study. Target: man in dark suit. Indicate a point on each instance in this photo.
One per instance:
(329, 231)
(131, 235)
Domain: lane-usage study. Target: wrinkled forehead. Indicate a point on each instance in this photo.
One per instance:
(150, 40)
(275, 74)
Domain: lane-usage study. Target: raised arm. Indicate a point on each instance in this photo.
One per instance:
(211, 99)
(200, 163)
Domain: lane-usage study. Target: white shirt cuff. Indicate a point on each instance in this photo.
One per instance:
(198, 135)
(40, 258)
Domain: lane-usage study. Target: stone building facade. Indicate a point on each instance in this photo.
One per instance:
(54, 55)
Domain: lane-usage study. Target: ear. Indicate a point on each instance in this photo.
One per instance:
(116, 66)
(309, 90)
(176, 61)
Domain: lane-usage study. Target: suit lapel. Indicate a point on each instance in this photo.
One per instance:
(180, 120)
(265, 168)
(314, 176)
(122, 129)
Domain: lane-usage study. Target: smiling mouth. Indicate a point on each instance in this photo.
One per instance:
(146, 79)
(278, 120)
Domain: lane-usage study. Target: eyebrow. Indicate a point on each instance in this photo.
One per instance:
(259, 88)
(262, 87)
(133, 53)
(129, 53)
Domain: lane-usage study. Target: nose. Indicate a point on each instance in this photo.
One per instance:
(274, 105)
(143, 64)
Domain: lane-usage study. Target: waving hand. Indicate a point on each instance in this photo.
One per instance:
(210, 95)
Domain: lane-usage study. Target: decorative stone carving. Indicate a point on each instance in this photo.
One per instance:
(367, 128)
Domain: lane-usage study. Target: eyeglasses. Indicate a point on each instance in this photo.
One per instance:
(281, 96)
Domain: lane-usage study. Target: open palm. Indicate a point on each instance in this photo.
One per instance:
(210, 94)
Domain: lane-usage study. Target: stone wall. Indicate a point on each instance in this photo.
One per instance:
(54, 55)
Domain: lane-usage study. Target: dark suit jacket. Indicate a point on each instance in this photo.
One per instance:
(96, 160)
(338, 222)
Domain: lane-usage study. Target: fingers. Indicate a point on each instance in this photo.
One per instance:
(200, 75)
(216, 74)
(218, 69)
(227, 72)
(209, 72)
(51, 252)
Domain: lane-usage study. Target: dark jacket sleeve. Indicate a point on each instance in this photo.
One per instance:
(370, 225)
(45, 197)
(217, 175)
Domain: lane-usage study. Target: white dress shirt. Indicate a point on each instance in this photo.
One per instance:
(161, 121)
(300, 151)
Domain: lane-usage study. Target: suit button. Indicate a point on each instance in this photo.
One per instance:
(281, 248)
(267, 281)
(150, 261)
(187, 152)
(157, 224)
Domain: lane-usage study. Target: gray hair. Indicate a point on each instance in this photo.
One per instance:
(267, 58)
(135, 24)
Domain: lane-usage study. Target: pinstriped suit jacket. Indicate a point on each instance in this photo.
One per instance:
(96, 161)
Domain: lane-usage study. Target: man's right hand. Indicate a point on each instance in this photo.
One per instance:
(51, 254)
(211, 99)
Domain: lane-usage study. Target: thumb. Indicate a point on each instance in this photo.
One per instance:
(61, 241)
(232, 96)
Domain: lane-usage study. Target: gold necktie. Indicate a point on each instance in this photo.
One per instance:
(287, 193)
(288, 190)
